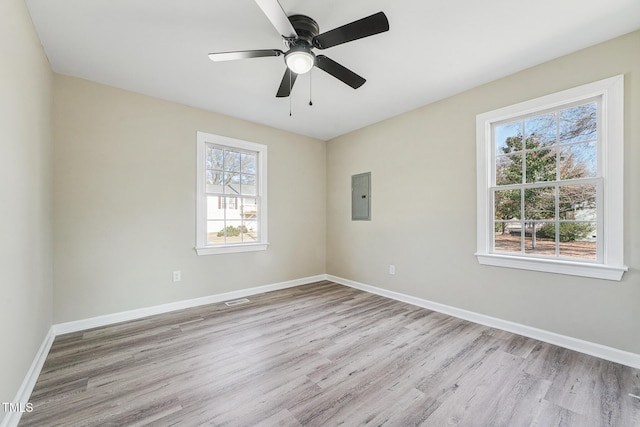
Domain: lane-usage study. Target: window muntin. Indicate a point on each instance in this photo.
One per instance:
(231, 195)
(567, 181)
(545, 174)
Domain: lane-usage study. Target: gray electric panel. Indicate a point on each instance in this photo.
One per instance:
(361, 197)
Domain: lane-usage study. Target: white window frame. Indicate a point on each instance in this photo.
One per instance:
(202, 248)
(610, 165)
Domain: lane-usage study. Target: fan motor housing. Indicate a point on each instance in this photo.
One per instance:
(305, 27)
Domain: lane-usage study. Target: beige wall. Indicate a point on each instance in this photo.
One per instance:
(25, 172)
(124, 203)
(424, 208)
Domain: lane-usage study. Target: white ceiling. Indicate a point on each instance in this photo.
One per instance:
(433, 49)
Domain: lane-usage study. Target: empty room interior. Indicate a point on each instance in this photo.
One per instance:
(285, 212)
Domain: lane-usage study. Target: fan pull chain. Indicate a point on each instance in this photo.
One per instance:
(289, 72)
(310, 103)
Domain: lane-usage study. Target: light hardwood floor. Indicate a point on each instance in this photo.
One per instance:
(323, 355)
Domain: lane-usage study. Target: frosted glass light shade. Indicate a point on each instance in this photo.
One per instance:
(299, 61)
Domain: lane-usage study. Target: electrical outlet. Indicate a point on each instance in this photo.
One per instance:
(392, 269)
(177, 276)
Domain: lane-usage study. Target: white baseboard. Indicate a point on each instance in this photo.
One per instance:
(598, 350)
(124, 316)
(11, 418)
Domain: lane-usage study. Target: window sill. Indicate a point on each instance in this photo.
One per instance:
(231, 249)
(571, 268)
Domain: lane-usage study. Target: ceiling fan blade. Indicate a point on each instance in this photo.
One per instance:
(339, 72)
(286, 84)
(244, 54)
(278, 17)
(365, 27)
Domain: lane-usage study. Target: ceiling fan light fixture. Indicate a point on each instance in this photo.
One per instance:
(299, 60)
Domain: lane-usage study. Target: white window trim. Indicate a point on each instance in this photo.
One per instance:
(611, 91)
(201, 221)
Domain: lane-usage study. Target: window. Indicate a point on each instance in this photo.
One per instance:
(231, 195)
(550, 183)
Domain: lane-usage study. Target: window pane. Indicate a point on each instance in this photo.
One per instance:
(231, 183)
(541, 131)
(578, 240)
(539, 239)
(233, 231)
(231, 161)
(509, 169)
(249, 208)
(230, 204)
(579, 123)
(215, 208)
(578, 202)
(249, 212)
(248, 187)
(578, 161)
(539, 203)
(249, 235)
(231, 220)
(508, 138)
(248, 163)
(541, 165)
(215, 232)
(507, 237)
(507, 204)
(214, 158)
(214, 182)
(250, 223)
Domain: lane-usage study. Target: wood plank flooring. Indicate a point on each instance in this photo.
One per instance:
(323, 355)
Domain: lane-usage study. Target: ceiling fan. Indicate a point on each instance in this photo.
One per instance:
(301, 34)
